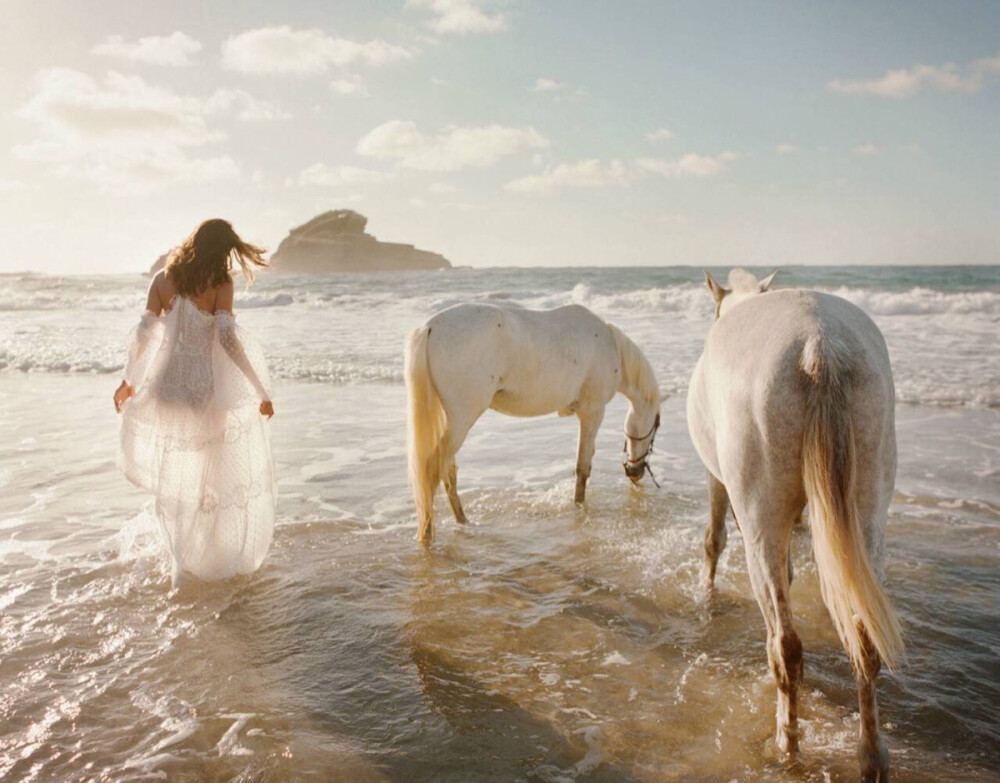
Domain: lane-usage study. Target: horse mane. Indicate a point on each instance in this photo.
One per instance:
(636, 371)
(742, 280)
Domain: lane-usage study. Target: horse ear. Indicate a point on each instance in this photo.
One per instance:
(718, 292)
(766, 282)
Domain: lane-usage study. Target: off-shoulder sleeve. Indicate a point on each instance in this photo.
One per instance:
(139, 355)
(250, 363)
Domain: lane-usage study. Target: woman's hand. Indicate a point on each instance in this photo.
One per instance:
(122, 393)
(266, 409)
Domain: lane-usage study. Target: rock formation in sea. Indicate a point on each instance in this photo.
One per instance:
(159, 263)
(336, 241)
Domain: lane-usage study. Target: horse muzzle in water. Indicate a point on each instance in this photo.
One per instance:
(636, 467)
(634, 470)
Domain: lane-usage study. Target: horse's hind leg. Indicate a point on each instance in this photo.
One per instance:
(873, 755)
(451, 487)
(715, 533)
(590, 422)
(460, 421)
(872, 752)
(767, 562)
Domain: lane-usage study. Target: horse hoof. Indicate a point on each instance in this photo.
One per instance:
(787, 742)
(425, 535)
(874, 763)
(874, 774)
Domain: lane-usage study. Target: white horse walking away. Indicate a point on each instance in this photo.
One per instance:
(523, 363)
(792, 401)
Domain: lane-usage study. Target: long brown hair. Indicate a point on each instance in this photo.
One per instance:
(205, 259)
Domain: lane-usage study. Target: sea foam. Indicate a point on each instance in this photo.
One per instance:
(350, 329)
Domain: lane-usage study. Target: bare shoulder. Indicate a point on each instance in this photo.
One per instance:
(160, 293)
(224, 295)
(164, 285)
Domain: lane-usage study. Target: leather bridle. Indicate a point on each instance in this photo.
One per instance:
(628, 461)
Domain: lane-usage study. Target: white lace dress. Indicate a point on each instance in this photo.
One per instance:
(194, 437)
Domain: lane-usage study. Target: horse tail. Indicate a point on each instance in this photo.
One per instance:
(859, 607)
(636, 372)
(426, 430)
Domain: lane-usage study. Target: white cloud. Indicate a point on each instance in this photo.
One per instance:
(690, 165)
(327, 176)
(441, 188)
(865, 149)
(353, 85)
(284, 50)
(593, 174)
(245, 106)
(903, 82)
(11, 185)
(582, 174)
(660, 134)
(175, 49)
(456, 147)
(122, 131)
(71, 104)
(560, 92)
(460, 16)
(546, 85)
(786, 149)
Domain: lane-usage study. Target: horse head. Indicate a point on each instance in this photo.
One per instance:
(638, 384)
(742, 284)
(640, 432)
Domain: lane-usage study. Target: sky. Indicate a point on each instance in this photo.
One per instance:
(504, 132)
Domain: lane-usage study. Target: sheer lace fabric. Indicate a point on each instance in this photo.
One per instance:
(193, 436)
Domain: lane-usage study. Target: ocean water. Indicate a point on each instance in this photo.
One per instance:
(542, 642)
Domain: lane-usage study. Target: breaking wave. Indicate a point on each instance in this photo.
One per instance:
(345, 330)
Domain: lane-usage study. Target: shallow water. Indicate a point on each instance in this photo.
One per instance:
(541, 642)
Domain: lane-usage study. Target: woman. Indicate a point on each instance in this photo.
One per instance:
(191, 434)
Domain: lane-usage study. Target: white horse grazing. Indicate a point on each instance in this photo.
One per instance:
(792, 401)
(523, 363)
